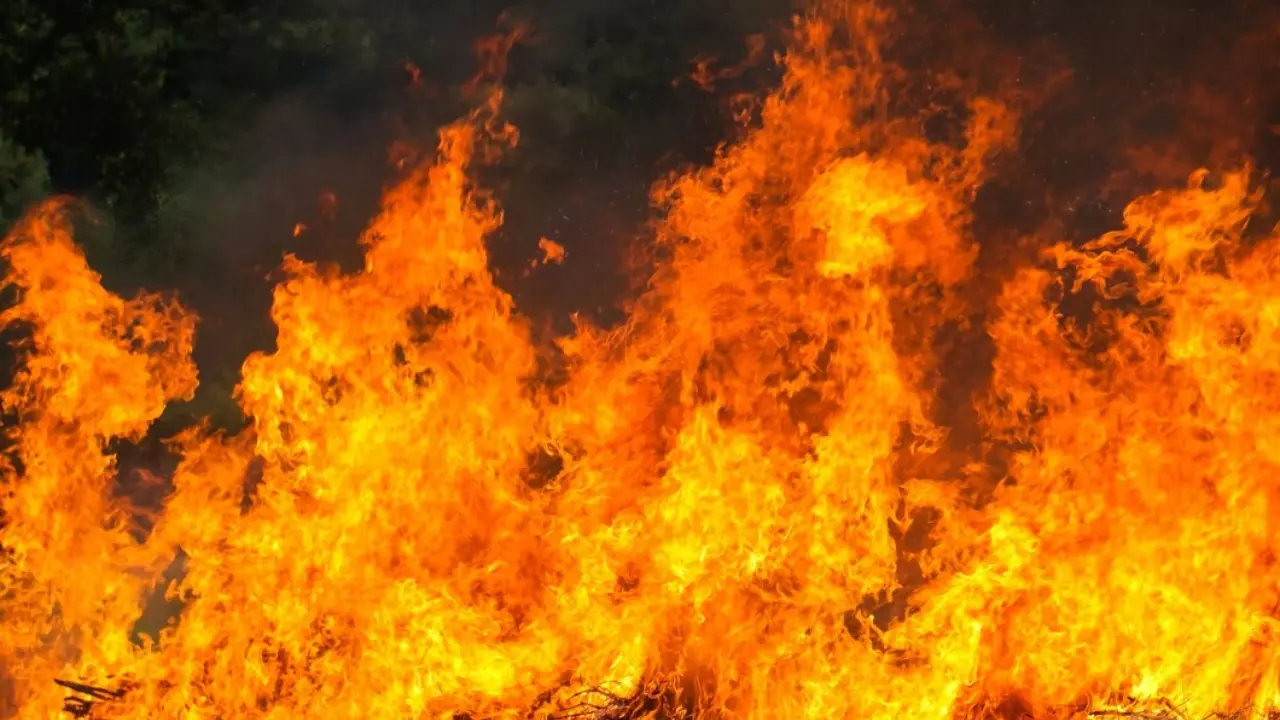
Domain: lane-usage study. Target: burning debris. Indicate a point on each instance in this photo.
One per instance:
(683, 524)
(657, 702)
(86, 701)
(80, 703)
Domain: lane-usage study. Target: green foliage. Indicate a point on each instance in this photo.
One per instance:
(598, 75)
(24, 179)
(214, 403)
(117, 95)
(123, 98)
(550, 117)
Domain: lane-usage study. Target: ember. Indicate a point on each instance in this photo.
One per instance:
(748, 503)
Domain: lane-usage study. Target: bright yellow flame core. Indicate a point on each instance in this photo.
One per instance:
(737, 459)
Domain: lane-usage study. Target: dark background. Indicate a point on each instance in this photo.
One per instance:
(199, 132)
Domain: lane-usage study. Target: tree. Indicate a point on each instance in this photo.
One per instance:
(24, 180)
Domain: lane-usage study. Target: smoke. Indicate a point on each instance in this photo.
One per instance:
(304, 172)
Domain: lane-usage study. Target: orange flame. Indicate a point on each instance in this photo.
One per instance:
(553, 253)
(705, 76)
(711, 516)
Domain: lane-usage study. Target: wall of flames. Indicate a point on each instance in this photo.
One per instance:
(735, 468)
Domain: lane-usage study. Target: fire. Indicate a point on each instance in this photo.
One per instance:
(709, 514)
(553, 253)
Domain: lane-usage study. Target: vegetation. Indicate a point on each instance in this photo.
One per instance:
(118, 102)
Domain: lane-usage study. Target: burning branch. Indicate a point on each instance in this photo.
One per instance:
(601, 704)
(656, 701)
(83, 698)
(1163, 709)
(1173, 713)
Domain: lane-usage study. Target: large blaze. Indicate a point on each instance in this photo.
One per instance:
(739, 503)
